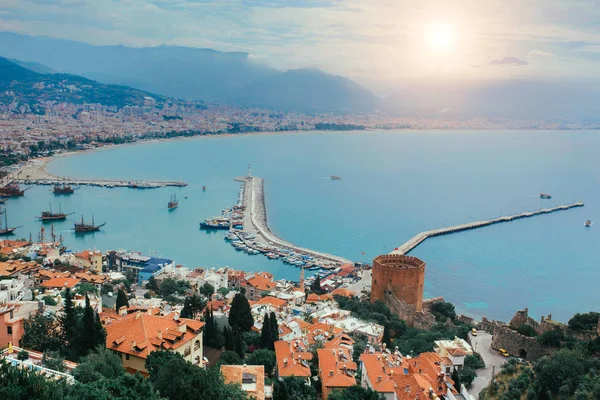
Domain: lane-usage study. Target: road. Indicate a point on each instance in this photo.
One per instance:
(482, 344)
(363, 284)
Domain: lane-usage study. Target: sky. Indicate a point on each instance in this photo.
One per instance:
(384, 40)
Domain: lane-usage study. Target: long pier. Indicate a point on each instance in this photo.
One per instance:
(421, 237)
(255, 221)
(107, 183)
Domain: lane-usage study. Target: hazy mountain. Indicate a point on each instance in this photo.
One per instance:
(22, 85)
(34, 66)
(309, 90)
(510, 99)
(192, 73)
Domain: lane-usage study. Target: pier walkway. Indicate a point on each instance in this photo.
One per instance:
(255, 221)
(421, 237)
(107, 183)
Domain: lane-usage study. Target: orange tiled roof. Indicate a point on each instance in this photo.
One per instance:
(60, 283)
(380, 367)
(12, 267)
(87, 276)
(235, 373)
(272, 301)
(14, 243)
(87, 254)
(140, 334)
(313, 298)
(336, 368)
(292, 358)
(262, 282)
(321, 332)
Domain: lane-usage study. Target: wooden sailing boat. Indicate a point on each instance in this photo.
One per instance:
(6, 230)
(82, 227)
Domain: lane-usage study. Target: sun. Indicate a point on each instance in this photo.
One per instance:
(441, 37)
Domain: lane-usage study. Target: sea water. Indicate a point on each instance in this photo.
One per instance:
(394, 185)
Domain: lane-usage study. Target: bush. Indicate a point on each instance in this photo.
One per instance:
(443, 310)
(467, 376)
(23, 355)
(584, 322)
(527, 330)
(49, 300)
(474, 361)
(551, 338)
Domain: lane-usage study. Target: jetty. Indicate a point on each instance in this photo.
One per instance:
(421, 237)
(105, 183)
(254, 221)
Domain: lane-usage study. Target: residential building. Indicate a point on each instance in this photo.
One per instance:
(11, 290)
(91, 259)
(292, 359)
(142, 267)
(257, 285)
(134, 336)
(12, 317)
(453, 352)
(336, 369)
(251, 378)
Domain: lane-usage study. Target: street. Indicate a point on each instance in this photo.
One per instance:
(482, 344)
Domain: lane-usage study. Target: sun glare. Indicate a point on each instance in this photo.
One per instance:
(441, 37)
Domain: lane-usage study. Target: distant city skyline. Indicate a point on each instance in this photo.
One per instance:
(376, 39)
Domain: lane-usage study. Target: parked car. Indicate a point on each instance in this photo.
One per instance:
(503, 352)
(473, 332)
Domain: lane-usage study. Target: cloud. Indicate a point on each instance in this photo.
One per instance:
(512, 61)
(539, 54)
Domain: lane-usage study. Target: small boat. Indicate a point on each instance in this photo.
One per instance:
(50, 216)
(12, 190)
(82, 227)
(545, 196)
(186, 196)
(173, 203)
(204, 188)
(6, 230)
(335, 178)
(588, 223)
(214, 224)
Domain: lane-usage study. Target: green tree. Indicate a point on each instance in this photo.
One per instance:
(228, 338)
(274, 326)
(192, 306)
(293, 387)
(240, 314)
(387, 340)
(584, 322)
(238, 344)
(315, 287)
(230, 358)
(223, 291)
(24, 384)
(456, 378)
(100, 363)
(53, 360)
(123, 387)
(467, 376)
(85, 288)
(443, 310)
(177, 379)
(121, 300)
(68, 321)
(49, 300)
(157, 360)
(22, 355)
(474, 361)
(527, 330)
(152, 284)
(551, 338)
(207, 289)
(90, 333)
(565, 368)
(355, 393)
(263, 357)
(265, 334)
(41, 333)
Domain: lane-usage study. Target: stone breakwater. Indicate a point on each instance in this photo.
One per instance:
(421, 237)
(255, 223)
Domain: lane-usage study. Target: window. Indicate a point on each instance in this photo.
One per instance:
(187, 352)
(9, 330)
(196, 345)
(127, 356)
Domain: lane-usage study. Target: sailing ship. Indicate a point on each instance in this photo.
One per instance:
(50, 216)
(82, 227)
(6, 230)
(63, 189)
(12, 190)
(173, 203)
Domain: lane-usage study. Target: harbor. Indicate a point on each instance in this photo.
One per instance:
(421, 237)
(104, 183)
(250, 232)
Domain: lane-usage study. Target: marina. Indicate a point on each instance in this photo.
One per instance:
(249, 231)
(61, 183)
(421, 237)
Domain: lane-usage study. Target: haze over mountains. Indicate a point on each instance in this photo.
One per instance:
(233, 78)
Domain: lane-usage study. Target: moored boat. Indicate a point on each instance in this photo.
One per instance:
(63, 189)
(214, 224)
(83, 227)
(588, 223)
(12, 190)
(6, 230)
(173, 203)
(50, 216)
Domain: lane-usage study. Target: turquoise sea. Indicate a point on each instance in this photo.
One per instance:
(394, 185)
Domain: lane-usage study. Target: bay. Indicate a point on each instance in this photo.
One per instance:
(394, 185)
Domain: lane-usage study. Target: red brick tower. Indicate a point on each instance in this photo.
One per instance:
(402, 275)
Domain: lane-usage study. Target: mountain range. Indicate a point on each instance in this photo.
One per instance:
(24, 85)
(192, 73)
